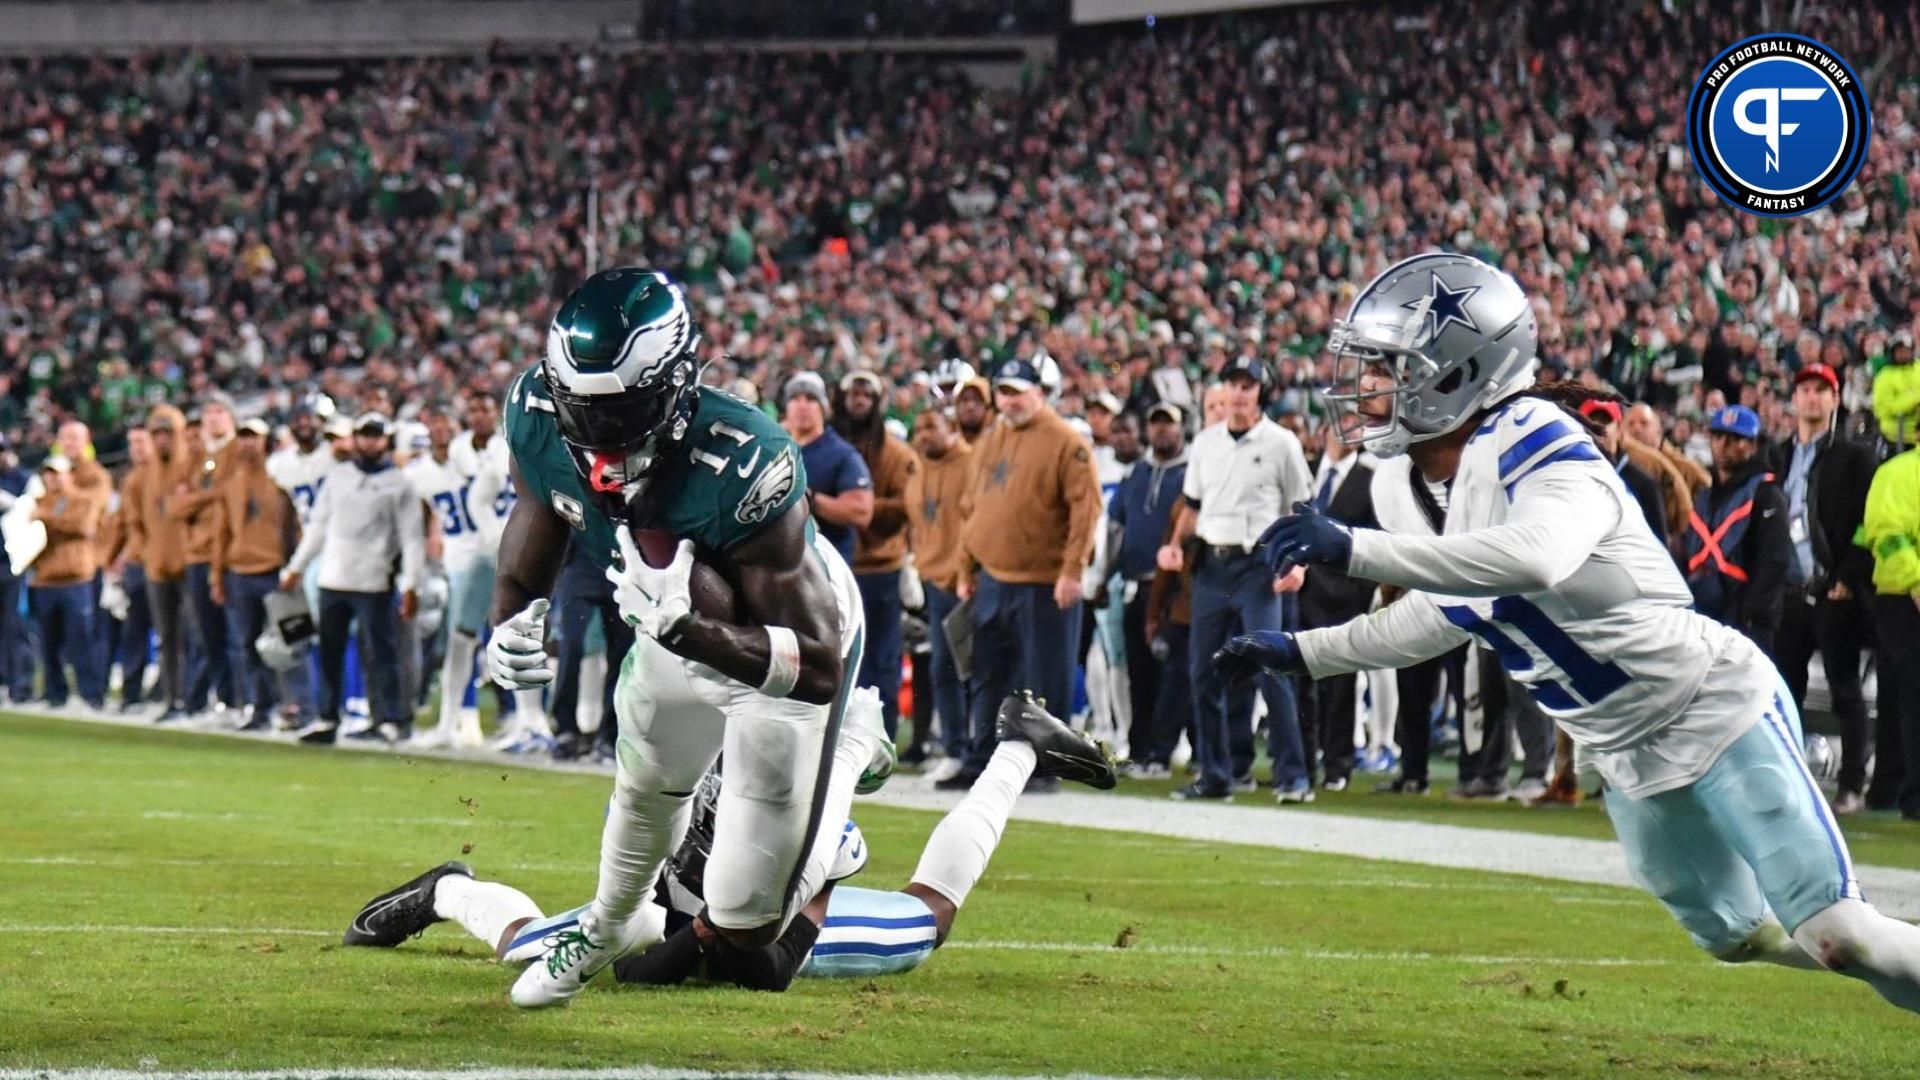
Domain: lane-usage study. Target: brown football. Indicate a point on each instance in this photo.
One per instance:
(711, 594)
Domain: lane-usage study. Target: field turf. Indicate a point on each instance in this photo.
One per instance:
(173, 903)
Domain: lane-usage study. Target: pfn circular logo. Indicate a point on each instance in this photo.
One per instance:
(1778, 124)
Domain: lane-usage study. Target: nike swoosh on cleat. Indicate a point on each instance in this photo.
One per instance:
(1079, 763)
(379, 907)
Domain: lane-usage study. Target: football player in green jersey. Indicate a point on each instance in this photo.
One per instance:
(612, 434)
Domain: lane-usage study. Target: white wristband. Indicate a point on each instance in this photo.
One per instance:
(783, 662)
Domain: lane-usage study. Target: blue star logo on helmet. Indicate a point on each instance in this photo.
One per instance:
(1444, 305)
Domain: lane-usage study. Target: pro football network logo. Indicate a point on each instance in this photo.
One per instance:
(1778, 125)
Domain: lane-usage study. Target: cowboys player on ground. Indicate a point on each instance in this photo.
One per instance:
(843, 931)
(610, 433)
(1546, 559)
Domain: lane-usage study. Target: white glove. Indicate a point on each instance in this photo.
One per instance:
(654, 602)
(913, 595)
(517, 653)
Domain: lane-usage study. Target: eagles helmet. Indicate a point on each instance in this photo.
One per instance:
(1436, 338)
(623, 369)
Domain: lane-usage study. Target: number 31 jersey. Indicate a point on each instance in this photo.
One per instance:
(1547, 561)
(736, 472)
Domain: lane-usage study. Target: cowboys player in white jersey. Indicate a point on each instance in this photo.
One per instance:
(301, 468)
(1546, 559)
(844, 931)
(447, 489)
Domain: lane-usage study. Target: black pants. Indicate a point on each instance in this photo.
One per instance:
(1327, 710)
(1413, 727)
(1154, 728)
(378, 616)
(1840, 630)
(1897, 768)
(167, 605)
(1507, 707)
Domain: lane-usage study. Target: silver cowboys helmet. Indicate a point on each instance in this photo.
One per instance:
(1436, 339)
(949, 374)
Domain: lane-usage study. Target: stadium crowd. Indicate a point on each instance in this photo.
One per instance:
(1154, 216)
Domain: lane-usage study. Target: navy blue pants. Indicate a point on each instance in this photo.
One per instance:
(950, 696)
(1235, 596)
(210, 671)
(378, 619)
(69, 618)
(1021, 641)
(136, 635)
(880, 666)
(246, 618)
(581, 594)
(16, 637)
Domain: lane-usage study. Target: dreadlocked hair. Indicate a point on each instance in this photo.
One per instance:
(1570, 395)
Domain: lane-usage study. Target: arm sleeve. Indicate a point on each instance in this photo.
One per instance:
(1559, 516)
(133, 522)
(1081, 493)
(303, 555)
(1396, 636)
(75, 519)
(1765, 595)
(890, 506)
(222, 521)
(413, 541)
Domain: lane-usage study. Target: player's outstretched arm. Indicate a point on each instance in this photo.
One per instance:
(793, 647)
(532, 547)
(1558, 518)
(1399, 635)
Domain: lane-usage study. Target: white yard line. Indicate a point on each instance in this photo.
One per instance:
(628, 1073)
(1561, 858)
(1087, 949)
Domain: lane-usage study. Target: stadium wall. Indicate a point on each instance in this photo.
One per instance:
(1105, 11)
(383, 29)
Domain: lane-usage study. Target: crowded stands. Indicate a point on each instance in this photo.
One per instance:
(200, 255)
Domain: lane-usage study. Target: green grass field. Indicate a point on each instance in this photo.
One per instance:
(174, 902)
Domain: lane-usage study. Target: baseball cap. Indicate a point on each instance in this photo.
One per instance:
(1167, 410)
(217, 399)
(1018, 373)
(56, 463)
(1596, 408)
(855, 378)
(372, 423)
(255, 426)
(1104, 400)
(808, 383)
(1245, 367)
(1818, 371)
(1736, 420)
(339, 427)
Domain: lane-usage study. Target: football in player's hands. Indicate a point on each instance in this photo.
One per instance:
(711, 594)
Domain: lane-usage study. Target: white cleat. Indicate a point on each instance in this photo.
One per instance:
(573, 956)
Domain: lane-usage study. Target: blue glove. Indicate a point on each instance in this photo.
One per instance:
(1263, 650)
(1306, 537)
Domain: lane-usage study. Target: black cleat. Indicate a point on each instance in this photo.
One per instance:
(393, 917)
(1059, 750)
